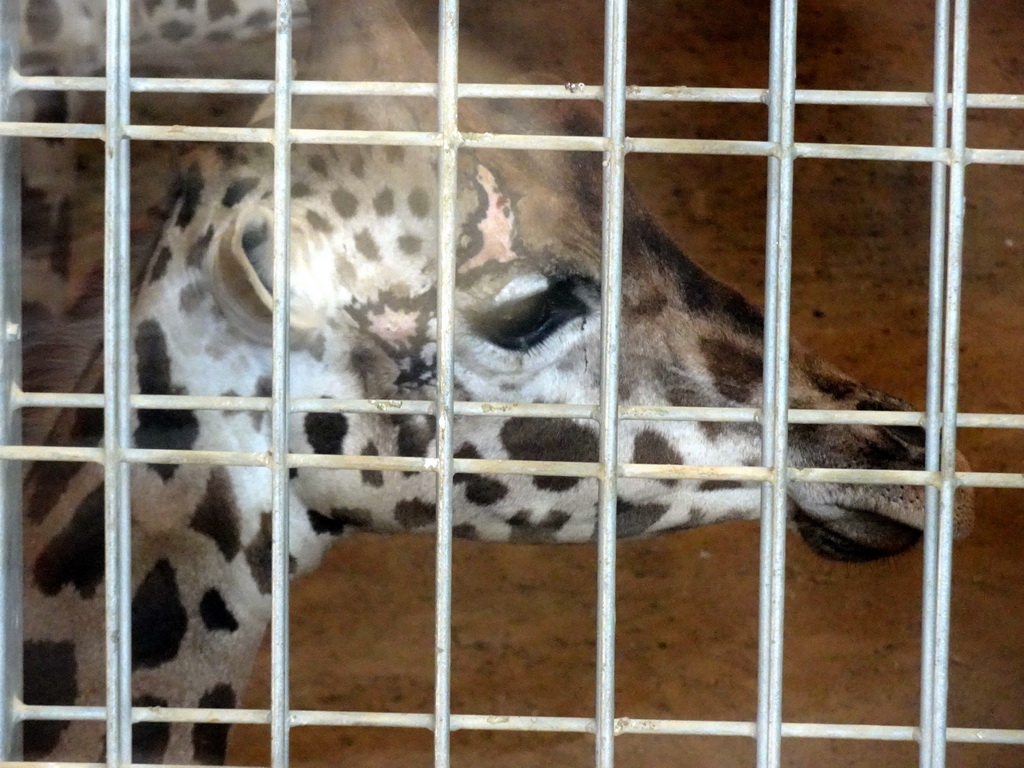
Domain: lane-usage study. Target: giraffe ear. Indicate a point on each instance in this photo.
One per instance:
(240, 279)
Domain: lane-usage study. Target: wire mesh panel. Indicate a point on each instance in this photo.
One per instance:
(262, 523)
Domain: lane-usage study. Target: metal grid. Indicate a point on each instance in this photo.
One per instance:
(948, 155)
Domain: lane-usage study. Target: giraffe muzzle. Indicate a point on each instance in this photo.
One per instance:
(858, 538)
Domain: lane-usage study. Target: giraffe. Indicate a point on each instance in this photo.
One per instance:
(363, 293)
(66, 37)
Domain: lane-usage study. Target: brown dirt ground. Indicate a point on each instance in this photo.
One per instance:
(524, 616)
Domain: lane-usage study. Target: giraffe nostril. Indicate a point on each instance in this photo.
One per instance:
(913, 437)
(879, 401)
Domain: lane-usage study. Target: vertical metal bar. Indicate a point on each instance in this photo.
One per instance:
(933, 398)
(939, 568)
(611, 303)
(117, 418)
(447, 169)
(778, 264)
(10, 376)
(279, 651)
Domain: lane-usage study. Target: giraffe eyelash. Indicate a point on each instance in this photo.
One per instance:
(525, 324)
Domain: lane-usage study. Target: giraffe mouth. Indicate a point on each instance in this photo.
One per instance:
(858, 537)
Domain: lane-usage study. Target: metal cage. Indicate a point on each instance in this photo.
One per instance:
(948, 156)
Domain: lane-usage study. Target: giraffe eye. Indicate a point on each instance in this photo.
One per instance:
(521, 324)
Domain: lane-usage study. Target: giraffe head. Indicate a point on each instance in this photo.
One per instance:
(527, 329)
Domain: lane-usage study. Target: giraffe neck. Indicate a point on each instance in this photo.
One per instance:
(198, 618)
(201, 536)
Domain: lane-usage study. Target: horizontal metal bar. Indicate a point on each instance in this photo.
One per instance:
(144, 714)
(241, 135)
(852, 98)
(146, 84)
(142, 402)
(320, 405)
(871, 152)
(700, 147)
(542, 468)
(210, 458)
(683, 472)
(49, 453)
(677, 413)
(53, 130)
(362, 719)
(576, 91)
(382, 138)
(298, 405)
(246, 135)
(513, 467)
(815, 731)
(990, 420)
(903, 99)
(521, 723)
(533, 142)
(535, 410)
(864, 476)
(801, 149)
(990, 479)
(381, 463)
(994, 156)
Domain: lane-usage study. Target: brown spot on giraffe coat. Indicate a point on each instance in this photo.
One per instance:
(150, 740)
(51, 678)
(160, 428)
(326, 432)
(159, 620)
(43, 20)
(75, 555)
(549, 440)
(210, 740)
(216, 514)
(735, 368)
(650, 447)
(524, 531)
(637, 519)
(415, 513)
(214, 612)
